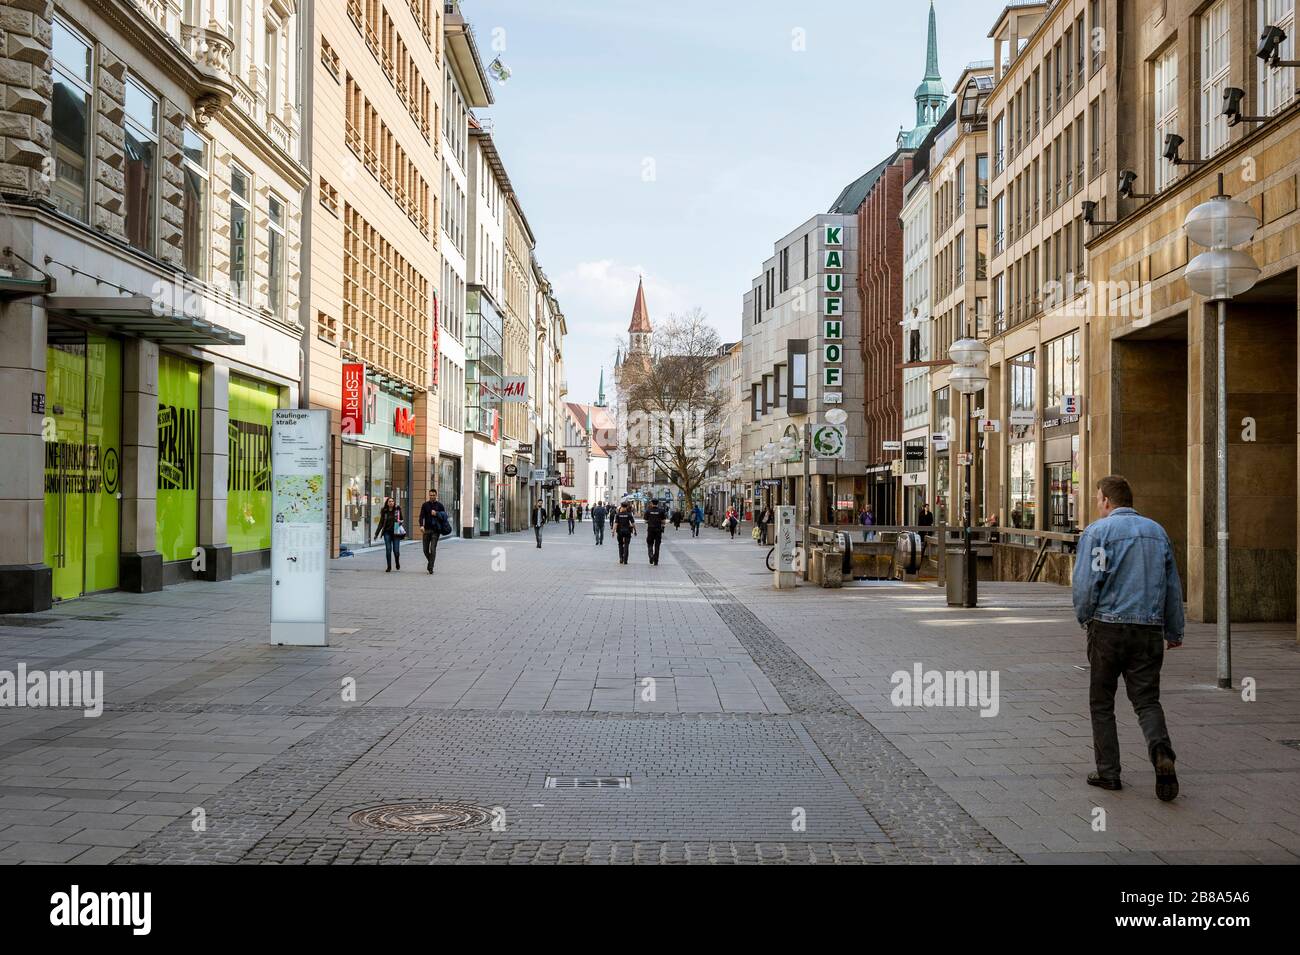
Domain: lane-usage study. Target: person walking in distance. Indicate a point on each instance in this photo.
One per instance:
(868, 520)
(613, 512)
(539, 520)
(391, 530)
(655, 517)
(732, 521)
(764, 519)
(624, 528)
(1128, 596)
(432, 515)
(598, 522)
(570, 517)
(697, 518)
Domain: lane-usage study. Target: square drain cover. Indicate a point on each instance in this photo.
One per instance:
(588, 782)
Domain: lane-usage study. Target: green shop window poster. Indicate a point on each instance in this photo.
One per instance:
(248, 485)
(178, 457)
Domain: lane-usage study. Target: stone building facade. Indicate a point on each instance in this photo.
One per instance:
(153, 183)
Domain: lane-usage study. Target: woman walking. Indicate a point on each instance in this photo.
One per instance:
(732, 521)
(391, 529)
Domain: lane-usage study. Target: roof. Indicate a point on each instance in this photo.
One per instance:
(855, 192)
(640, 313)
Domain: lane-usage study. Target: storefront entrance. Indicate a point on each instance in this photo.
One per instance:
(83, 440)
(369, 475)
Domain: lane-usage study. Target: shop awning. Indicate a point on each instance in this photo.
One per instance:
(144, 317)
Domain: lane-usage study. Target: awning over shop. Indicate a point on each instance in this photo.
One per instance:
(144, 317)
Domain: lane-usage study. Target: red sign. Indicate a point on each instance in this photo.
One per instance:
(354, 391)
(404, 422)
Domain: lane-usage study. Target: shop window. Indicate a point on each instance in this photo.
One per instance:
(195, 202)
(240, 235)
(141, 172)
(73, 64)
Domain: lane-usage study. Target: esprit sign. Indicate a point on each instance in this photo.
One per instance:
(404, 422)
(354, 397)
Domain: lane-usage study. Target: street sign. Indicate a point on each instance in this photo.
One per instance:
(538, 475)
(964, 458)
(833, 397)
(1070, 404)
(829, 441)
(511, 470)
(896, 467)
(990, 424)
(891, 445)
(1021, 417)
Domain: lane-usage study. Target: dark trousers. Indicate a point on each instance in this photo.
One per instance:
(599, 528)
(537, 529)
(1136, 653)
(571, 525)
(430, 547)
(623, 541)
(732, 527)
(695, 529)
(652, 540)
(391, 552)
(762, 531)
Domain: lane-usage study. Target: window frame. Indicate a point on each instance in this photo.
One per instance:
(87, 89)
(132, 126)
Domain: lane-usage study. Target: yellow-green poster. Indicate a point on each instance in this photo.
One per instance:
(248, 485)
(178, 457)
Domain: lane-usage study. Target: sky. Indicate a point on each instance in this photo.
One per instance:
(679, 140)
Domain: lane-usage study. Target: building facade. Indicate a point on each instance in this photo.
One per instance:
(1150, 342)
(802, 348)
(153, 179)
(375, 254)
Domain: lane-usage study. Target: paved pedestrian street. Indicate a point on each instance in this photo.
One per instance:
(553, 706)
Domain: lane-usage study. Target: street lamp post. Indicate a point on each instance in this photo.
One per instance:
(837, 417)
(1219, 274)
(968, 377)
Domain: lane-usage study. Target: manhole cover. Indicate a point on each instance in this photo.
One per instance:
(423, 816)
(588, 782)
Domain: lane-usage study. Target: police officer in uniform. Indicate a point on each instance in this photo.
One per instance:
(655, 516)
(624, 528)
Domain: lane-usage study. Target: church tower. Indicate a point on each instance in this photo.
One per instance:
(931, 97)
(639, 331)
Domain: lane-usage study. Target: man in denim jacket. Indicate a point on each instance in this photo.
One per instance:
(1127, 595)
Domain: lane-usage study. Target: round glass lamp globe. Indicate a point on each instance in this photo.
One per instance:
(1221, 222)
(968, 351)
(967, 380)
(1221, 274)
(837, 416)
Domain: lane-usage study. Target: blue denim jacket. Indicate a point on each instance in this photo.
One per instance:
(1125, 572)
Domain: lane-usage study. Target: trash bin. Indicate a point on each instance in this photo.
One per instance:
(956, 579)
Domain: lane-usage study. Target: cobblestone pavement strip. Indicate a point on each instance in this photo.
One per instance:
(473, 686)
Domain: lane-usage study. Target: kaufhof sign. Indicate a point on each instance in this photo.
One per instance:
(832, 306)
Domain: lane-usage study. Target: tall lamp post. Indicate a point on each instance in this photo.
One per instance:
(837, 417)
(968, 377)
(1221, 273)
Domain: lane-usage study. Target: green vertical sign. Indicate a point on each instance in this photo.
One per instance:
(248, 484)
(178, 457)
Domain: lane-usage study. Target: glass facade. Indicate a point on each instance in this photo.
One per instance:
(483, 363)
(370, 474)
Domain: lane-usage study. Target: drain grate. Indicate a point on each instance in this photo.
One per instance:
(423, 817)
(588, 782)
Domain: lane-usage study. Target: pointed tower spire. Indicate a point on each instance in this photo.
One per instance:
(932, 49)
(600, 397)
(639, 330)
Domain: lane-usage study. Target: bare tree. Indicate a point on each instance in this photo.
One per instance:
(674, 404)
